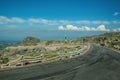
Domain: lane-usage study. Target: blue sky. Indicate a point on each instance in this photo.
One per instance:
(52, 19)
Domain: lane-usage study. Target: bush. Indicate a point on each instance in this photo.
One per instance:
(5, 60)
(30, 41)
(48, 42)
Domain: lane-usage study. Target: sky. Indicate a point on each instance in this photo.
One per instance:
(52, 19)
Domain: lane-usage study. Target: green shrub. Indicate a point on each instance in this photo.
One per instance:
(49, 42)
(28, 41)
(5, 60)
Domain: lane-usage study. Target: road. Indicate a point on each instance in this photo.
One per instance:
(97, 64)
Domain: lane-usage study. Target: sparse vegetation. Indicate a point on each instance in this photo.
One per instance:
(5, 60)
(30, 41)
(110, 40)
(48, 42)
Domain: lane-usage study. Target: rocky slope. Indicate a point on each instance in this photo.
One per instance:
(45, 51)
(109, 40)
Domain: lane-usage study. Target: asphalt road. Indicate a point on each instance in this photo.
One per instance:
(97, 64)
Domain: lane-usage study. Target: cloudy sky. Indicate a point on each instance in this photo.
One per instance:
(52, 19)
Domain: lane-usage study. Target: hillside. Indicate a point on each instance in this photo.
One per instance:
(109, 40)
(32, 50)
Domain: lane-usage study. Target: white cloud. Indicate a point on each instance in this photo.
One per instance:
(35, 20)
(83, 22)
(96, 22)
(87, 28)
(48, 22)
(116, 22)
(116, 30)
(17, 20)
(102, 28)
(68, 27)
(42, 21)
(32, 20)
(61, 28)
(91, 22)
(100, 22)
(5, 20)
(64, 22)
(83, 28)
(116, 13)
(71, 27)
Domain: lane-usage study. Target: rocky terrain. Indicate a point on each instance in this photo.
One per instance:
(32, 51)
(109, 40)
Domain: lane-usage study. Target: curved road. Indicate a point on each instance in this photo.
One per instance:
(97, 64)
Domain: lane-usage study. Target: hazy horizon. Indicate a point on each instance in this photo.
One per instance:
(51, 36)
